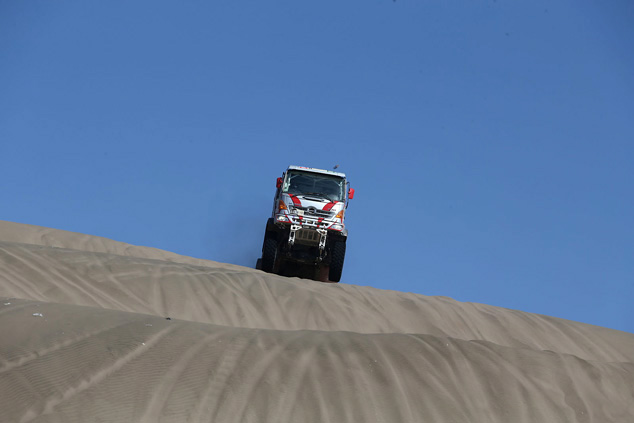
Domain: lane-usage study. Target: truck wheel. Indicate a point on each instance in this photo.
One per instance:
(269, 254)
(338, 253)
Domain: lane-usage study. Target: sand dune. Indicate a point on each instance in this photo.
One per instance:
(94, 330)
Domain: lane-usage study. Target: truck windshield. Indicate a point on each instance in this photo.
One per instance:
(330, 187)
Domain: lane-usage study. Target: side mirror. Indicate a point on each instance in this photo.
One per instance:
(279, 183)
(351, 193)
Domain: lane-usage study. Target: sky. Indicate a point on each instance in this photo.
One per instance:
(490, 143)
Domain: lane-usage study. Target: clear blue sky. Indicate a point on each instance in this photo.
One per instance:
(491, 144)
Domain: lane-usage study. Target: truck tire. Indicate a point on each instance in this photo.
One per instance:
(269, 254)
(337, 253)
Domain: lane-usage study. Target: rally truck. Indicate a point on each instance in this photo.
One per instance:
(306, 235)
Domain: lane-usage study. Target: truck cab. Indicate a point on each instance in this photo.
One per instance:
(307, 227)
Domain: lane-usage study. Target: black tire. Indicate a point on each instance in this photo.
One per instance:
(337, 255)
(269, 254)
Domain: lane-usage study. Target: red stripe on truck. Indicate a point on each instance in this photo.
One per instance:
(329, 206)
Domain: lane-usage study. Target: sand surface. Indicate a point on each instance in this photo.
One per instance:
(94, 330)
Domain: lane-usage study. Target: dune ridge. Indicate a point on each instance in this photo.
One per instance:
(95, 330)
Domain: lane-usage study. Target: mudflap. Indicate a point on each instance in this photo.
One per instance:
(321, 273)
(305, 271)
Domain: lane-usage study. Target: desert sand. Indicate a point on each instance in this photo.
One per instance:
(95, 330)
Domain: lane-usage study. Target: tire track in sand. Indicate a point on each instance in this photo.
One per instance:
(155, 405)
(211, 398)
(96, 377)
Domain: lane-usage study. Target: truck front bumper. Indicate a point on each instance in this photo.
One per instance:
(309, 222)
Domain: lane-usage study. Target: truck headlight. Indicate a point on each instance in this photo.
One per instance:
(336, 227)
(281, 218)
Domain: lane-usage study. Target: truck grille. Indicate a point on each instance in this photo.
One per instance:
(306, 236)
(315, 212)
